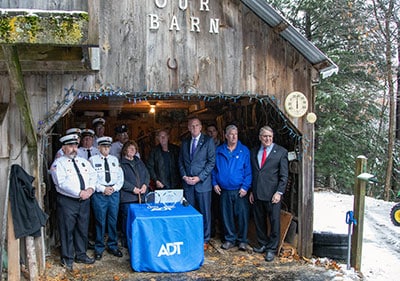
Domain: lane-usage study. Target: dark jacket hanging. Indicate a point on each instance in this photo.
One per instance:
(27, 216)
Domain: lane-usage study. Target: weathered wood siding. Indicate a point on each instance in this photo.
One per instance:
(70, 5)
(245, 56)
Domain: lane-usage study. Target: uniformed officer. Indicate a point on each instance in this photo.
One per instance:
(105, 201)
(70, 131)
(98, 127)
(121, 137)
(87, 148)
(75, 182)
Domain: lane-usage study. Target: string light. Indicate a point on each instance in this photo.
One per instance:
(72, 95)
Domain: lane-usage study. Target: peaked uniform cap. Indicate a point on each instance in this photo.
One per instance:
(70, 139)
(75, 131)
(104, 141)
(97, 121)
(121, 129)
(87, 132)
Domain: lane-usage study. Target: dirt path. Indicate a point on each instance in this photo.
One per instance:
(218, 265)
(381, 244)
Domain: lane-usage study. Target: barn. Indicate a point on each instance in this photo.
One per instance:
(151, 65)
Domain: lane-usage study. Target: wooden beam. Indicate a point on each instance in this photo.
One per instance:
(18, 85)
(53, 67)
(47, 53)
(44, 27)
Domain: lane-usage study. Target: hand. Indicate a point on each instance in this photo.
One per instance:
(242, 193)
(143, 189)
(86, 193)
(251, 198)
(159, 184)
(276, 198)
(108, 190)
(217, 189)
(191, 180)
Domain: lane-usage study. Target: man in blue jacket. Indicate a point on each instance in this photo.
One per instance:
(231, 179)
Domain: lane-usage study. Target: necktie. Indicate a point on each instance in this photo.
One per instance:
(81, 181)
(264, 156)
(107, 169)
(194, 145)
(88, 154)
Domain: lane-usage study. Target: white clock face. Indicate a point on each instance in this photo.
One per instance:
(296, 104)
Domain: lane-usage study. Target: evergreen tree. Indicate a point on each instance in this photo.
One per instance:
(351, 106)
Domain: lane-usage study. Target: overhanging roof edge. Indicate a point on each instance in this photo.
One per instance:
(270, 16)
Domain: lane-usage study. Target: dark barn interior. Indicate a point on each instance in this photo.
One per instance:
(172, 113)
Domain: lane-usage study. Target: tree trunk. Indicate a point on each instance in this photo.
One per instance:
(389, 77)
(397, 21)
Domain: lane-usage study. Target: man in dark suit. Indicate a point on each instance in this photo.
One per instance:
(269, 164)
(196, 161)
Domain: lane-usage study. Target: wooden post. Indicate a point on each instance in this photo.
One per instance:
(358, 207)
(14, 270)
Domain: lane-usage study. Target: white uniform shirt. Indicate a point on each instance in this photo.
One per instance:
(59, 153)
(116, 148)
(82, 152)
(66, 178)
(116, 173)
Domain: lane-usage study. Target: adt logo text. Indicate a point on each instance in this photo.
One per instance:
(170, 249)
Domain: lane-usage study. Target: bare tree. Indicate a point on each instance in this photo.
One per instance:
(387, 9)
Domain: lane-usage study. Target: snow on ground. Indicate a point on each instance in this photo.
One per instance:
(381, 239)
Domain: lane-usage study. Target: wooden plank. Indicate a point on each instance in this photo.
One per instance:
(286, 219)
(47, 53)
(53, 67)
(14, 272)
(71, 5)
(93, 28)
(31, 257)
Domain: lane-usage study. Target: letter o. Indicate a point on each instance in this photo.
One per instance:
(160, 3)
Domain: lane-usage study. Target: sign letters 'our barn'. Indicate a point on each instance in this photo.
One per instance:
(174, 24)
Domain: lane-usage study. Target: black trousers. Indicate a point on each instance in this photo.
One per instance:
(264, 210)
(73, 223)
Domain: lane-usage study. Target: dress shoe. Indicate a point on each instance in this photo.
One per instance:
(68, 265)
(227, 245)
(205, 246)
(98, 256)
(260, 250)
(85, 259)
(269, 256)
(91, 245)
(115, 252)
(242, 246)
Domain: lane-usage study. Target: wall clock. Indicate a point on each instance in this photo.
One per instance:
(296, 104)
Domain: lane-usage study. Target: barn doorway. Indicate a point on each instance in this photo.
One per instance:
(144, 117)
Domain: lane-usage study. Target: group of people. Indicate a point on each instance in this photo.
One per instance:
(220, 180)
